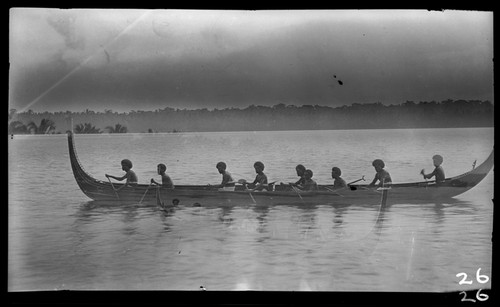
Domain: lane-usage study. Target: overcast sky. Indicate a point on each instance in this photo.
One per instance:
(147, 59)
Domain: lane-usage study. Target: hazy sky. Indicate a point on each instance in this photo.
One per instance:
(148, 59)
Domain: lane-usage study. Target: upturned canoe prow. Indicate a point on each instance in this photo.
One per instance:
(414, 192)
(83, 179)
(473, 177)
(93, 188)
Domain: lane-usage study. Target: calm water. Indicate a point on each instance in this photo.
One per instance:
(59, 239)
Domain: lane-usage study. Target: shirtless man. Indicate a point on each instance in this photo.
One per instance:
(166, 182)
(438, 170)
(260, 181)
(227, 179)
(300, 169)
(309, 184)
(130, 176)
(338, 181)
(382, 175)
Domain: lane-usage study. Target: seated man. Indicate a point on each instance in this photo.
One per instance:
(309, 183)
(300, 169)
(382, 175)
(438, 170)
(166, 182)
(227, 179)
(338, 181)
(129, 174)
(260, 181)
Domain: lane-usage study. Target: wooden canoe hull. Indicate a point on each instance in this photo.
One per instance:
(366, 196)
(417, 192)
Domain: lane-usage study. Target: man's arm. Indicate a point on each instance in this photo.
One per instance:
(131, 179)
(116, 178)
(260, 182)
(429, 176)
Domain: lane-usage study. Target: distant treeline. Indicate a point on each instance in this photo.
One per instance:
(444, 114)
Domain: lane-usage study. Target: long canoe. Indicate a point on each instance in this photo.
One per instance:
(204, 195)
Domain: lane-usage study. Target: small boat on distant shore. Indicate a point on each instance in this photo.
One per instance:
(205, 195)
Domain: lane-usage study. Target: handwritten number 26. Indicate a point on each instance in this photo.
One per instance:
(482, 279)
(480, 296)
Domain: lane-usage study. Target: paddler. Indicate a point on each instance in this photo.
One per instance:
(438, 170)
(309, 184)
(227, 179)
(130, 175)
(166, 182)
(382, 175)
(300, 169)
(338, 182)
(260, 181)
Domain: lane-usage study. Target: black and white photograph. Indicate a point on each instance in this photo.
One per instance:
(251, 150)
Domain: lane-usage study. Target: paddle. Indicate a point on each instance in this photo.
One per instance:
(158, 198)
(335, 191)
(140, 202)
(382, 188)
(250, 193)
(362, 178)
(113, 187)
(297, 191)
(422, 172)
(347, 184)
(244, 183)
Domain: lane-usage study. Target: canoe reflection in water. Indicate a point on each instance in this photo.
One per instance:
(305, 222)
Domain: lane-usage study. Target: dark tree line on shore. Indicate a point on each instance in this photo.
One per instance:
(46, 126)
(445, 114)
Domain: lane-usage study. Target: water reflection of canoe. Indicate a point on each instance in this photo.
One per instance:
(417, 192)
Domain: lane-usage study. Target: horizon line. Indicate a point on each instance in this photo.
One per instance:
(248, 106)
